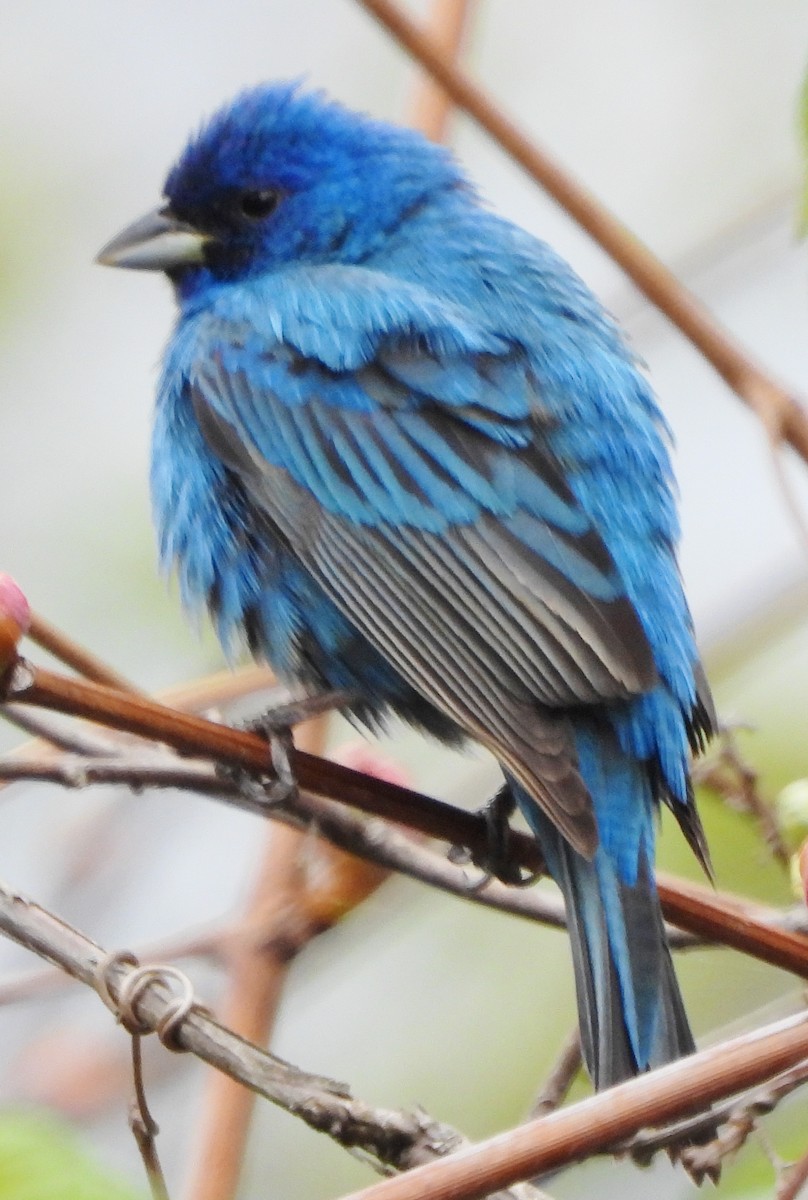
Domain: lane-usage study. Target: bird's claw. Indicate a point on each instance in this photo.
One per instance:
(284, 785)
(497, 861)
(275, 726)
(278, 785)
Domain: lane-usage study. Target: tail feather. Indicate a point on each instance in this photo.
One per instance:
(631, 1013)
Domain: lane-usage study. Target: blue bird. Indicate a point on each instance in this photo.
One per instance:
(401, 449)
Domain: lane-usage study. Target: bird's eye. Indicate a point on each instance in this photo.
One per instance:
(259, 203)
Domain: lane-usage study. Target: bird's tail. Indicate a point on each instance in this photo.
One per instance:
(631, 1013)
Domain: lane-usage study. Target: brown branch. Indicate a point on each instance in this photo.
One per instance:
(556, 1087)
(258, 960)
(712, 916)
(721, 917)
(394, 1138)
(737, 1118)
(255, 981)
(793, 1180)
(727, 774)
(781, 413)
(196, 737)
(378, 842)
(432, 106)
(689, 907)
(72, 654)
(197, 695)
(595, 1124)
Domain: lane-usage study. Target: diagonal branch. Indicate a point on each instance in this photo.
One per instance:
(74, 655)
(737, 1118)
(384, 845)
(793, 1180)
(432, 106)
(729, 921)
(195, 736)
(780, 412)
(376, 841)
(403, 1140)
(392, 1137)
(596, 1124)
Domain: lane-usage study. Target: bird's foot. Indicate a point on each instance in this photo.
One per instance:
(291, 710)
(284, 786)
(497, 862)
(279, 784)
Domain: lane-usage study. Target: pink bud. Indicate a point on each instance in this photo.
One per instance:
(15, 617)
(13, 603)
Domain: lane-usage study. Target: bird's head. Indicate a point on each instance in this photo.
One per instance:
(282, 175)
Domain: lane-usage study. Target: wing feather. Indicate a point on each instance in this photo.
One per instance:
(448, 535)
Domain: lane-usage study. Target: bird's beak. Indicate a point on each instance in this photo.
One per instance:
(156, 242)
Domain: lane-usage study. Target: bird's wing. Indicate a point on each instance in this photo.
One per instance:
(419, 491)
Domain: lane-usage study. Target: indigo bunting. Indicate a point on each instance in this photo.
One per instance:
(401, 449)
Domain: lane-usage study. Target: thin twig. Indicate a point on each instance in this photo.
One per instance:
(793, 1180)
(393, 1138)
(373, 840)
(556, 1087)
(727, 773)
(447, 28)
(737, 1117)
(220, 689)
(57, 733)
(258, 962)
(197, 695)
(781, 413)
(144, 1127)
(788, 493)
(209, 943)
(72, 654)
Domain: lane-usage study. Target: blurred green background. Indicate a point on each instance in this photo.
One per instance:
(683, 117)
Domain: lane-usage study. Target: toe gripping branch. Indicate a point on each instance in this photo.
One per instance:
(497, 860)
(275, 725)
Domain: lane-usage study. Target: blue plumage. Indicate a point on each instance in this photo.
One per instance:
(401, 447)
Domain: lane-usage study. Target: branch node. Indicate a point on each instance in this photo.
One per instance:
(125, 1004)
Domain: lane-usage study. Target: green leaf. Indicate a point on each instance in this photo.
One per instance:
(42, 1159)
